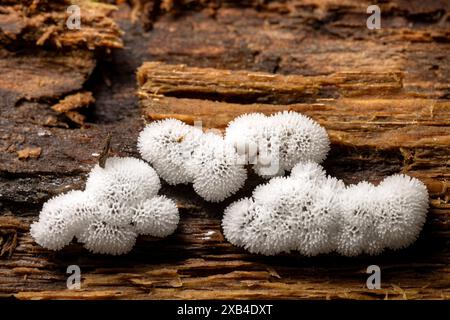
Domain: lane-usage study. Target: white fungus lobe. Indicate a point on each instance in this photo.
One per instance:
(59, 220)
(184, 154)
(167, 144)
(216, 165)
(157, 216)
(101, 237)
(119, 203)
(315, 214)
(215, 168)
(276, 143)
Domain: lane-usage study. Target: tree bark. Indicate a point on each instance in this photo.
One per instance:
(383, 96)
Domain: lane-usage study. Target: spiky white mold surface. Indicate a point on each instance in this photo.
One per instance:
(216, 166)
(184, 154)
(119, 203)
(315, 214)
(167, 145)
(280, 140)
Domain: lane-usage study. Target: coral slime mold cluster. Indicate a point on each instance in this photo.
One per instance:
(119, 203)
(315, 214)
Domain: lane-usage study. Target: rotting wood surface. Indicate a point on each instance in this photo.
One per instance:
(384, 97)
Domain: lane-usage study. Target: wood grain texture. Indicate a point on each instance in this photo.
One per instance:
(382, 95)
(44, 23)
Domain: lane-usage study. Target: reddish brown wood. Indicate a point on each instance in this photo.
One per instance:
(378, 126)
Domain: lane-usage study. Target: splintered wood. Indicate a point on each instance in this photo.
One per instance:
(179, 80)
(45, 23)
(365, 112)
(359, 110)
(383, 96)
(33, 72)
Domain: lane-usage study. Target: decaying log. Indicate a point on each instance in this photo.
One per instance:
(383, 96)
(156, 78)
(30, 72)
(38, 76)
(44, 22)
(366, 110)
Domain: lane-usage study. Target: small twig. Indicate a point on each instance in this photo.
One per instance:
(105, 152)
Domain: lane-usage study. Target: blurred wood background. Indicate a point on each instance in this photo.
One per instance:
(383, 95)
